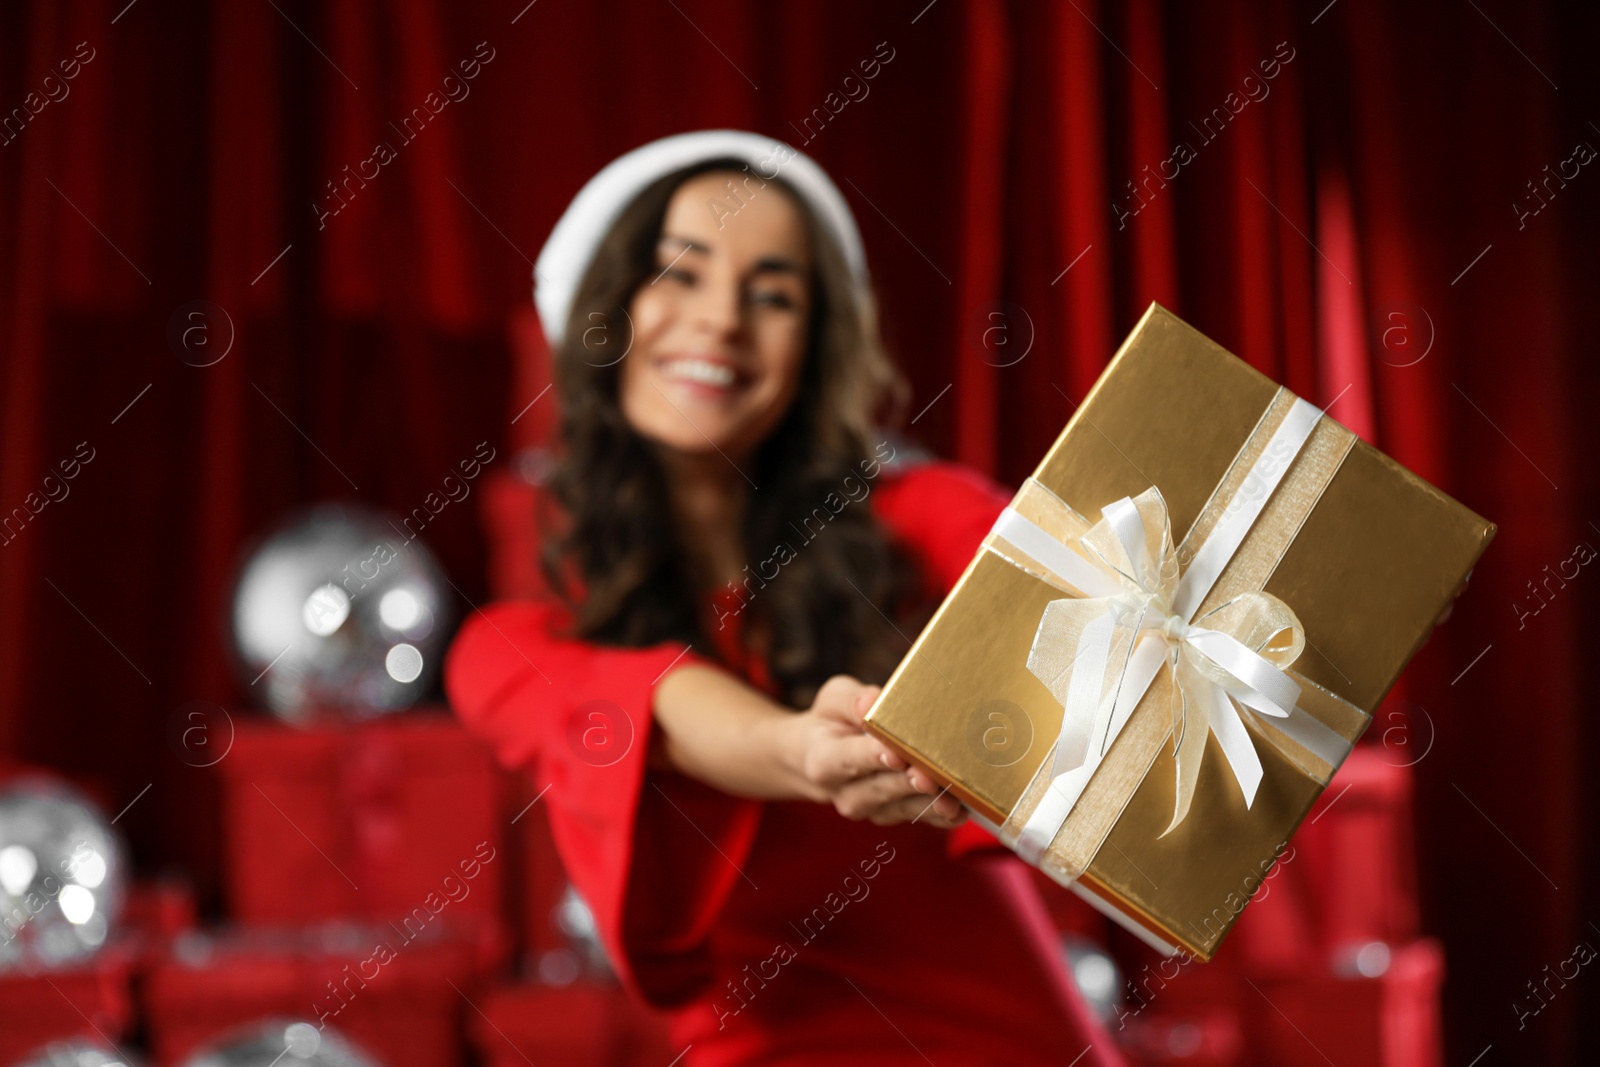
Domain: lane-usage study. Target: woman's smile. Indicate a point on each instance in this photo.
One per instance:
(701, 376)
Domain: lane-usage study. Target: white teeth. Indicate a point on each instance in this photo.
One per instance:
(699, 370)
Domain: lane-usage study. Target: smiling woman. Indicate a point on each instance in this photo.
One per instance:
(750, 389)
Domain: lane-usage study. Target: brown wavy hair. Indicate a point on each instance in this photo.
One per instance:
(827, 611)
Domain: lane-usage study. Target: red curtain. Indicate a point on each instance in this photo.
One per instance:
(1398, 220)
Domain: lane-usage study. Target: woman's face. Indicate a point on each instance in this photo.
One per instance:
(719, 326)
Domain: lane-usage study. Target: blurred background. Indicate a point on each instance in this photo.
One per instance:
(265, 255)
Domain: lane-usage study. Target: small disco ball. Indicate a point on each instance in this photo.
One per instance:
(75, 1054)
(282, 1043)
(583, 955)
(61, 875)
(339, 610)
(1096, 975)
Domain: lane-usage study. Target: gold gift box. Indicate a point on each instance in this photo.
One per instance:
(1368, 562)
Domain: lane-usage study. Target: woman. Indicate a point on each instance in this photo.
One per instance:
(733, 541)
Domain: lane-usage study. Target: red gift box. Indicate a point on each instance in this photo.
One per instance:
(1176, 1011)
(371, 819)
(1347, 878)
(1390, 1020)
(395, 990)
(580, 1025)
(88, 1000)
(1203, 1038)
(1358, 868)
(1177, 987)
(1227, 1013)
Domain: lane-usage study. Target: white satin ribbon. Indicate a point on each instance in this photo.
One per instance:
(1134, 616)
(1245, 506)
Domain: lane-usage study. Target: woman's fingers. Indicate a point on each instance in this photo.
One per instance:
(838, 696)
(932, 817)
(944, 811)
(865, 699)
(948, 807)
(858, 799)
(834, 758)
(889, 797)
(859, 757)
(865, 779)
(925, 780)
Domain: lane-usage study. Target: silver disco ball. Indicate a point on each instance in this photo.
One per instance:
(75, 1054)
(339, 610)
(1096, 975)
(282, 1043)
(61, 875)
(583, 956)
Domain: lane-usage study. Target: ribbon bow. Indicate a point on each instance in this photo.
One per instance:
(1098, 653)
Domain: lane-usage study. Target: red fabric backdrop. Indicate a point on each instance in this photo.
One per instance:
(1351, 232)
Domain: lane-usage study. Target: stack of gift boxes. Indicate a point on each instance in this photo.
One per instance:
(90, 995)
(364, 871)
(383, 880)
(387, 879)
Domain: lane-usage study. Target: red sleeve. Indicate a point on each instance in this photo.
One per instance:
(654, 853)
(939, 513)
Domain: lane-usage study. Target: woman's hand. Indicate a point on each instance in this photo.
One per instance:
(716, 729)
(841, 764)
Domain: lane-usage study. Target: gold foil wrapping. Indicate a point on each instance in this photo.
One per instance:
(1365, 552)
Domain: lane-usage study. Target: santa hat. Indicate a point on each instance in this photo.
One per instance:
(571, 245)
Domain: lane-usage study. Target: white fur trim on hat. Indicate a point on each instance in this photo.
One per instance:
(571, 245)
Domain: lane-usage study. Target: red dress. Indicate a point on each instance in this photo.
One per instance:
(782, 933)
